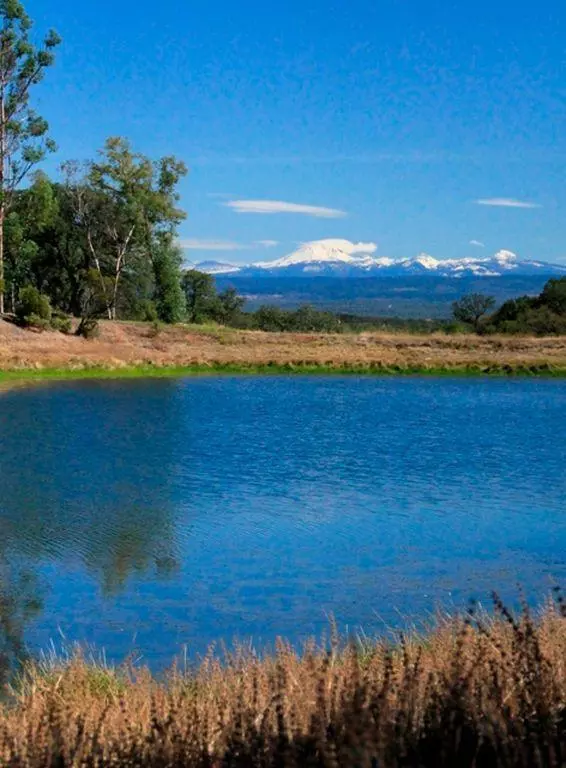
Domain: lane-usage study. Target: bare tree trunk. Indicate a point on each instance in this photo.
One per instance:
(120, 262)
(99, 270)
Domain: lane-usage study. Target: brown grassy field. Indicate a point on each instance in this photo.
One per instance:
(135, 344)
(474, 692)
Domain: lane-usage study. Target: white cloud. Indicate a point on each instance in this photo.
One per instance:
(277, 206)
(267, 243)
(211, 245)
(477, 243)
(507, 202)
(356, 247)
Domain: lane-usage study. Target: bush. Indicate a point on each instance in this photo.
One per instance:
(61, 323)
(33, 308)
(35, 321)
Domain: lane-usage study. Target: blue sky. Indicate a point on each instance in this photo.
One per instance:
(397, 115)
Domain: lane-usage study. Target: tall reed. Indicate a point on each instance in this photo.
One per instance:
(475, 691)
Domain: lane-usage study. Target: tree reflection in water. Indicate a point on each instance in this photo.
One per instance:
(77, 488)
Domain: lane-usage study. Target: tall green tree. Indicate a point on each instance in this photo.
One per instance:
(125, 205)
(33, 211)
(169, 297)
(23, 133)
(62, 265)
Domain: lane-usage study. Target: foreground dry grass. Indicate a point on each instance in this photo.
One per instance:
(473, 693)
(135, 344)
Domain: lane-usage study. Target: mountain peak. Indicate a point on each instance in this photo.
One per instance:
(426, 261)
(323, 251)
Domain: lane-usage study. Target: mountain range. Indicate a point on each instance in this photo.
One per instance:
(342, 258)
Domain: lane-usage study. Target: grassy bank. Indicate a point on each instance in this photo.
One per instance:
(21, 375)
(136, 349)
(474, 692)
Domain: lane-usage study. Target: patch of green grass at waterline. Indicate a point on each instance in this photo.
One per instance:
(374, 369)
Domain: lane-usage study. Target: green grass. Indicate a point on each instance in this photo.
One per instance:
(154, 371)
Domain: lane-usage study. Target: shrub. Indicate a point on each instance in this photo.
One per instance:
(33, 308)
(61, 323)
(35, 321)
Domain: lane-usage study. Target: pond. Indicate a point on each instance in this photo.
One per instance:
(155, 515)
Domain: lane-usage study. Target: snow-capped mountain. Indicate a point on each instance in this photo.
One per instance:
(342, 258)
(325, 253)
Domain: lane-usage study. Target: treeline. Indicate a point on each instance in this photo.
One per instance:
(204, 304)
(542, 315)
(99, 243)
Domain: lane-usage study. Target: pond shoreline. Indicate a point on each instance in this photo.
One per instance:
(17, 375)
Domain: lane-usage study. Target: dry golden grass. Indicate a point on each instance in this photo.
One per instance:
(135, 344)
(472, 693)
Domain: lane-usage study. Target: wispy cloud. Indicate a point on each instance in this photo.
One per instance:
(507, 202)
(211, 245)
(477, 243)
(277, 206)
(196, 244)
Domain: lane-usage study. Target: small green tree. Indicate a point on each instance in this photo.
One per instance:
(307, 318)
(23, 133)
(471, 308)
(553, 295)
(269, 318)
(200, 296)
(230, 306)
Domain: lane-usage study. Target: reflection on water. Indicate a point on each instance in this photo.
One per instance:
(20, 602)
(150, 514)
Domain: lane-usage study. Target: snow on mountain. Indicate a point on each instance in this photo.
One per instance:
(342, 258)
(324, 252)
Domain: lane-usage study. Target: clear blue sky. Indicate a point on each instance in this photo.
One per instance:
(399, 113)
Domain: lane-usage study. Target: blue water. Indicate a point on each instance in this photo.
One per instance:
(150, 515)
